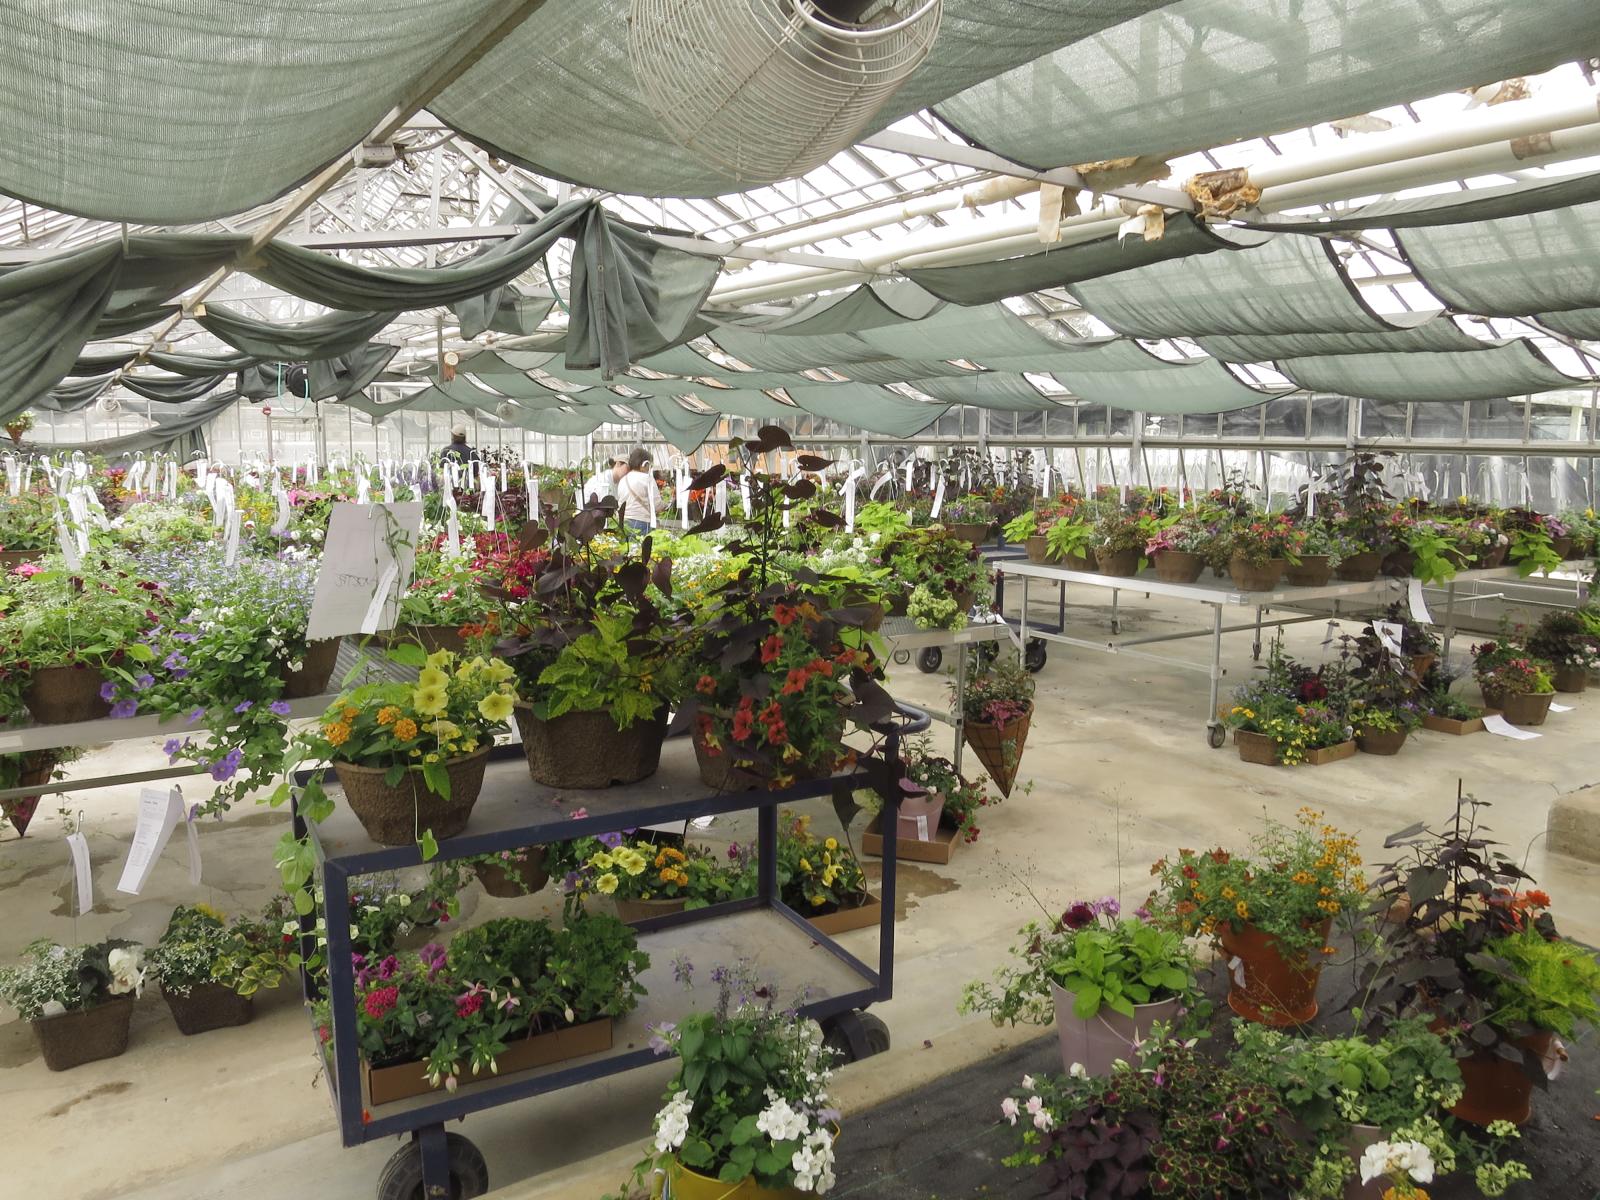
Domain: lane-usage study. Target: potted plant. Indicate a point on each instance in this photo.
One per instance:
(1178, 548)
(1533, 549)
(1381, 730)
(511, 873)
(931, 609)
(935, 557)
(1270, 910)
(1069, 541)
(1105, 979)
(27, 528)
(645, 880)
(210, 970)
(1119, 540)
(1171, 1123)
(1462, 919)
(969, 517)
(1445, 713)
(1513, 681)
(79, 999)
(748, 1114)
(995, 710)
(1261, 547)
(18, 424)
(1563, 639)
(820, 878)
(1349, 1093)
(1318, 555)
(1275, 730)
(1023, 530)
(442, 598)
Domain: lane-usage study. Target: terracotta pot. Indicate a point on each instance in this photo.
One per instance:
(516, 879)
(1079, 562)
(1107, 1036)
(65, 695)
(432, 638)
(1571, 679)
(1498, 1089)
(1256, 747)
(629, 911)
(971, 531)
(84, 1035)
(208, 1006)
(920, 815)
(587, 750)
(15, 558)
(1178, 566)
(315, 671)
(999, 748)
(1280, 986)
(1399, 563)
(1037, 546)
(37, 768)
(1421, 664)
(1525, 709)
(1380, 743)
(1494, 558)
(1313, 570)
(1361, 568)
(15, 432)
(1120, 563)
(394, 816)
(1248, 577)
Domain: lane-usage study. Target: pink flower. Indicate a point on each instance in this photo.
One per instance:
(1035, 1105)
(1043, 1121)
(1008, 1109)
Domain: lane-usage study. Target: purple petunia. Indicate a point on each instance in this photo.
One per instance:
(227, 766)
(145, 681)
(124, 708)
(175, 661)
(196, 715)
(1108, 907)
(611, 840)
(187, 637)
(108, 691)
(244, 706)
(279, 708)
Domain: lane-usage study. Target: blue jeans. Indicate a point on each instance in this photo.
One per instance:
(637, 526)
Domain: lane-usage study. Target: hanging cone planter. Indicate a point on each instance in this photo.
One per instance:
(999, 748)
(37, 768)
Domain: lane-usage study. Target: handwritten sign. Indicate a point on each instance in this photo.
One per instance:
(366, 562)
(160, 812)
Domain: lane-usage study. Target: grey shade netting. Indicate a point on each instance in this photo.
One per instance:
(320, 337)
(347, 374)
(1514, 369)
(987, 389)
(1287, 284)
(171, 389)
(178, 428)
(1201, 386)
(1542, 262)
(1438, 335)
(863, 406)
(72, 395)
(895, 370)
(683, 429)
(1441, 208)
(1203, 72)
(741, 402)
(872, 304)
(195, 364)
(504, 310)
(1582, 323)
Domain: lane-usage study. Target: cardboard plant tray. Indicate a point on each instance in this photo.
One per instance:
(1458, 728)
(862, 916)
(940, 850)
(1323, 755)
(386, 1084)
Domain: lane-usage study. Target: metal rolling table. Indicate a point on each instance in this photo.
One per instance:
(904, 639)
(1218, 595)
(512, 812)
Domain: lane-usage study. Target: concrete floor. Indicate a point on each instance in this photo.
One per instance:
(1122, 774)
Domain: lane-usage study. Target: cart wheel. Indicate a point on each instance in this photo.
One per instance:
(855, 1035)
(930, 660)
(1216, 735)
(901, 657)
(401, 1177)
(1033, 657)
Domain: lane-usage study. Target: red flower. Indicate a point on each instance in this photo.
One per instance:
(468, 1004)
(380, 1000)
(743, 725)
(706, 685)
(784, 614)
(796, 681)
(777, 733)
(771, 648)
(820, 666)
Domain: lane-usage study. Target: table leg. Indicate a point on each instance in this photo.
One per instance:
(1116, 621)
(1449, 617)
(1215, 733)
(1255, 650)
(1022, 617)
(957, 710)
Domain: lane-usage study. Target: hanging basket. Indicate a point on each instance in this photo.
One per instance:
(999, 748)
(394, 816)
(315, 671)
(208, 1006)
(65, 695)
(1313, 570)
(1251, 577)
(587, 750)
(970, 531)
(1178, 566)
(37, 768)
(1361, 568)
(514, 879)
(1527, 708)
(84, 1035)
(1120, 563)
(1037, 546)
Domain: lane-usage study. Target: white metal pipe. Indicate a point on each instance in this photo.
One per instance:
(992, 192)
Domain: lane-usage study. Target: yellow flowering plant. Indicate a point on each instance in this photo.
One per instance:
(1292, 879)
(816, 875)
(641, 870)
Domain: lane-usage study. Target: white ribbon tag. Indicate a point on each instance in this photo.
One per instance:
(452, 525)
(722, 497)
(380, 597)
(194, 849)
(1419, 606)
(938, 499)
(281, 521)
(877, 485)
(68, 544)
(363, 489)
(82, 877)
(911, 464)
(744, 495)
(231, 554)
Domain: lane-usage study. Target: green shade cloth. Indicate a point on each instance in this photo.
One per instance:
(101, 364)
(1438, 335)
(989, 389)
(122, 324)
(72, 395)
(347, 374)
(980, 283)
(1284, 285)
(863, 406)
(530, 392)
(1581, 323)
(1201, 73)
(198, 364)
(743, 402)
(882, 302)
(560, 94)
(1441, 208)
(1513, 369)
(170, 389)
(1512, 267)
(1201, 386)
(681, 428)
(48, 311)
(177, 429)
(894, 370)
(514, 311)
(326, 336)
(795, 352)
(1090, 354)
(977, 334)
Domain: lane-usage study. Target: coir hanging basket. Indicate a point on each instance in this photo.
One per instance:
(999, 748)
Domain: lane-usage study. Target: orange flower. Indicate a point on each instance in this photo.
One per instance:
(796, 681)
(405, 729)
(350, 714)
(784, 614)
(771, 648)
(337, 733)
(705, 686)
(388, 715)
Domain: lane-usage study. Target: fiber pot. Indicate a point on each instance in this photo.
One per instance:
(999, 748)
(1571, 679)
(1178, 566)
(629, 911)
(1498, 1089)
(1037, 546)
(514, 879)
(1421, 664)
(37, 768)
(1361, 568)
(1279, 986)
(1399, 563)
(1495, 557)
(84, 1035)
(970, 531)
(1256, 747)
(919, 813)
(208, 1006)
(394, 816)
(65, 695)
(718, 772)
(15, 558)
(1562, 546)
(1107, 1036)
(1380, 743)
(315, 671)
(1079, 562)
(432, 638)
(1248, 577)
(587, 750)
(1527, 708)
(1313, 570)
(1120, 563)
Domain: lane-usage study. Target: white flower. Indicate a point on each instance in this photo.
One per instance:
(1027, 1082)
(1035, 1105)
(1008, 1109)
(1381, 1159)
(403, 900)
(1078, 1071)
(127, 970)
(672, 1123)
(780, 1122)
(1043, 1121)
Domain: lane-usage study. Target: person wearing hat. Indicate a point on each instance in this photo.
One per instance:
(604, 481)
(457, 450)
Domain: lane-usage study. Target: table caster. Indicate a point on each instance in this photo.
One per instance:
(930, 660)
(402, 1175)
(1216, 735)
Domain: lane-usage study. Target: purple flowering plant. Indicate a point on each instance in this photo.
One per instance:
(1103, 959)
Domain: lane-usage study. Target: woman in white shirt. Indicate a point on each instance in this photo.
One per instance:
(637, 494)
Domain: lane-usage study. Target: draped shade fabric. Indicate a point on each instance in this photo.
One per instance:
(302, 341)
(987, 389)
(864, 406)
(886, 302)
(1438, 335)
(1199, 386)
(1201, 73)
(1513, 369)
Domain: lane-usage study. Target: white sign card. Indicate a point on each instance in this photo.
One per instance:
(1496, 723)
(160, 812)
(1390, 634)
(366, 566)
(1419, 606)
(231, 553)
(938, 499)
(83, 880)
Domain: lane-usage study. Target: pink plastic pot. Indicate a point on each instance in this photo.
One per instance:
(1106, 1036)
(919, 816)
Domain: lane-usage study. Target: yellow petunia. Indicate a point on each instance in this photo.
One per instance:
(602, 861)
(629, 859)
(500, 670)
(831, 844)
(496, 706)
(206, 910)
(429, 700)
(440, 659)
(606, 884)
(431, 677)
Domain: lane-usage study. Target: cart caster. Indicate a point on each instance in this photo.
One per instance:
(855, 1035)
(930, 660)
(401, 1178)
(1216, 735)
(1033, 656)
(901, 657)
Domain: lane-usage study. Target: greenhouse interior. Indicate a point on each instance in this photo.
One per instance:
(785, 572)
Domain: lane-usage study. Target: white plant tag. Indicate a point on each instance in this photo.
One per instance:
(357, 555)
(281, 521)
(1419, 606)
(363, 489)
(1496, 723)
(380, 597)
(488, 500)
(938, 499)
(1554, 707)
(160, 811)
(194, 849)
(68, 544)
(1389, 633)
(83, 879)
(231, 554)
